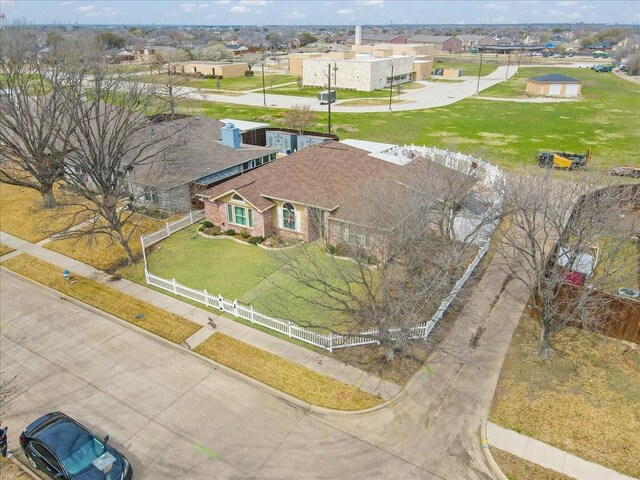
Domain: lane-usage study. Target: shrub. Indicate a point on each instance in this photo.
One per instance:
(256, 240)
(244, 233)
(248, 73)
(231, 232)
(201, 228)
(207, 224)
(372, 260)
(331, 249)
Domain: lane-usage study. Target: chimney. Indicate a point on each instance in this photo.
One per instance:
(230, 135)
(358, 35)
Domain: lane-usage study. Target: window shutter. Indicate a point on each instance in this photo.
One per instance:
(230, 213)
(250, 210)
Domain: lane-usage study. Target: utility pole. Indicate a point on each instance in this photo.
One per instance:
(329, 97)
(391, 88)
(264, 90)
(479, 71)
(506, 75)
(335, 75)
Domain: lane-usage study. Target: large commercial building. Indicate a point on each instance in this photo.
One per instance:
(365, 67)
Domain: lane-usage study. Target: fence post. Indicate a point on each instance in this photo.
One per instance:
(251, 312)
(330, 342)
(191, 217)
(166, 227)
(289, 329)
(206, 298)
(235, 307)
(175, 289)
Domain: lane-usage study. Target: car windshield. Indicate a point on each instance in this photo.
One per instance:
(83, 456)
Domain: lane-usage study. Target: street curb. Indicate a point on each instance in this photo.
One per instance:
(25, 468)
(267, 388)
(484, 444)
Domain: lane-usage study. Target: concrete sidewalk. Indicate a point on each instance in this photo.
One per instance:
(211, 322)
(547, 456)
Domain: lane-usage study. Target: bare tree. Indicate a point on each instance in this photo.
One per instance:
(251, 59)
(33, 132)
(215, 52)
(172, 82)
(564, 244)
(300, 118)
(399, 267)
(112, 136)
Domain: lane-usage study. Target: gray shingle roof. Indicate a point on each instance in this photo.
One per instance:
(554, 78)
(197, 152)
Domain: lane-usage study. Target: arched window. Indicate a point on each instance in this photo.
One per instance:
(288, 216)
(237, 198)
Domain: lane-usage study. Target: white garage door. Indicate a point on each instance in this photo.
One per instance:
(571, 89)
(555, 89)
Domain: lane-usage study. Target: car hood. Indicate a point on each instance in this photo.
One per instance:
(117, 469)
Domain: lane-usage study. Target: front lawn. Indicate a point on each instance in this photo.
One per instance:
(516, 468)
(508, 134)
(585, 399)
(243, 272)
(102, 251)
(23, 215)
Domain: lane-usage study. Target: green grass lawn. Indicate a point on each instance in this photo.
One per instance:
(507, 134)
(341, 94)
(469, 68)
(235, 84)
(246, 273)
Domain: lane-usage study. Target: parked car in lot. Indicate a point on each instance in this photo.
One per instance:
(603, 68)
(63, 449)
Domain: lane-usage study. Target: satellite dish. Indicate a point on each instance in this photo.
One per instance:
(405, 152)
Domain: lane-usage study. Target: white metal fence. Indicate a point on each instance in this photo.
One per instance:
(488, 174)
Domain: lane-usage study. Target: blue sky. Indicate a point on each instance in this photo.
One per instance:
(318, 12)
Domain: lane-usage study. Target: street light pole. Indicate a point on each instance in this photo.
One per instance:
(329, 97)
(506, 75)
(264, 90)
(479, 70)
(391, 88)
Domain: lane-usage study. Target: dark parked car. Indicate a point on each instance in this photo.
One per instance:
(63, 449)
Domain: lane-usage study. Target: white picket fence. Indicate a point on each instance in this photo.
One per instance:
(169, 228)
(488, 174)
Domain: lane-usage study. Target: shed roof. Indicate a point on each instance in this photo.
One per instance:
(554, 78)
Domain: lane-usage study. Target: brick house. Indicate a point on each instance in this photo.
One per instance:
(441, 43)
(317, 193)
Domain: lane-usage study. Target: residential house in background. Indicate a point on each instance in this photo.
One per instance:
(441, 43)
(206, 152)
(473, 41)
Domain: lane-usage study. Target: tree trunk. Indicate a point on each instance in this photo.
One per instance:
(543, 347)
(48, 199)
